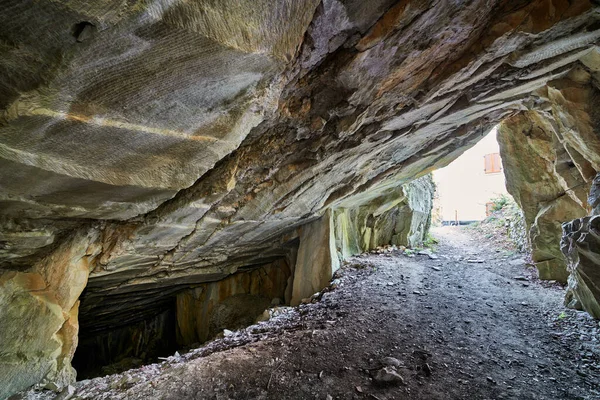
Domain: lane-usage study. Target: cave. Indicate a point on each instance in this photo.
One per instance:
(120, 348)
(170, 171)
(137, 334)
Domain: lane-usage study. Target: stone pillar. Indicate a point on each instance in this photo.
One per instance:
(317, 258)
(38, 317)
(546, 182)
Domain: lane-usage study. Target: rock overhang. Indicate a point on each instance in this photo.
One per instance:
(194, 138)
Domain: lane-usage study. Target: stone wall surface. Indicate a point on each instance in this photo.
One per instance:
(535, 162)
(401, 218)
(190, 139)
(39, 316)
(581, 246)
(231, 303)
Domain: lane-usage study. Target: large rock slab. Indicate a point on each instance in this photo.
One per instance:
(316, 260)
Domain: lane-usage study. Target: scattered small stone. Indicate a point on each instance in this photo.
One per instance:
(520, 278)
(227, 332)
(359, 389)
(52, 386)
(427, 369)
(489, 378)
(417, 292)
(475, 261)
(436, 268)
(387, 375)
(66, 394)
(390, 362)
(328, 397)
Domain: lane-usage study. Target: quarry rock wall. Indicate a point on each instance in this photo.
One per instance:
(148, 148)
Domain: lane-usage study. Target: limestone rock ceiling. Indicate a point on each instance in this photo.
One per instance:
(194, 136)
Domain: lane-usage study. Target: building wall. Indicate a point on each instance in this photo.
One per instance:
(463, 187)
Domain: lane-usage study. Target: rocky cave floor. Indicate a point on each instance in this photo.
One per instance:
(470, 321)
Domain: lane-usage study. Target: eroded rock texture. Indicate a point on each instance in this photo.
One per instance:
(550, 158)
(581, 246)
(39, 316)
(401, 218)
(189, 139)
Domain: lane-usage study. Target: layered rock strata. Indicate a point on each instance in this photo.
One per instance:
(190, 139)
(401, 218)
(580, 245)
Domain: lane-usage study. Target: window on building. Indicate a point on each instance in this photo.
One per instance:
(493, 163)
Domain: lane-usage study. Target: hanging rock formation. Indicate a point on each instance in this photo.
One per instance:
(160, 146)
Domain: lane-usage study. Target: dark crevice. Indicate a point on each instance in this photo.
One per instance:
(118, 339)
(125, 347)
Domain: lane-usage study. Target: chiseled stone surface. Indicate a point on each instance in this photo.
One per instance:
(550, 158)
(193, 138)
(316, 260)
(230, 303)
(538, 172)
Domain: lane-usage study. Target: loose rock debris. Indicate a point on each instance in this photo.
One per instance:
(469, 334)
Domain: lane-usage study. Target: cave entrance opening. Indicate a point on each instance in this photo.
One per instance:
(155, 324)
(473, 186)
(129, 344)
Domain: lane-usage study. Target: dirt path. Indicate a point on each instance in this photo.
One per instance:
(457, 329)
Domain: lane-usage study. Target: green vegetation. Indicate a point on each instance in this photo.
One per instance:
(506, 220)
(501, 201)
(562, 315)
(430, 242)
